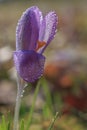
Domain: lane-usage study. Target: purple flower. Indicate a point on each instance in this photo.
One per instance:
(33, 34)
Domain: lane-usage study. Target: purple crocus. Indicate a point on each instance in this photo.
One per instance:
(33, 34)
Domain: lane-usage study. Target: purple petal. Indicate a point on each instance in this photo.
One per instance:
(29, 64)
(49, 28)
(42, 30)
(27, 31)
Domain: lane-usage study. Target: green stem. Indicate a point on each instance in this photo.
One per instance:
(32, 107)
(18, 103)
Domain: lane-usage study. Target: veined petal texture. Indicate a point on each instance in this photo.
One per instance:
(29, 64)
(50, 24)
(27, 31)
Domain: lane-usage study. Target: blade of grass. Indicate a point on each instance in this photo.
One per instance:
(53, 121)
(3, 125)
(8, 125)
(0, 127)
(33, 105)
(48, 105)
(22, 125)
(46, 112)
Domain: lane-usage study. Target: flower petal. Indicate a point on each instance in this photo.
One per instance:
(29, 64)
(49, 28)
(27, 31)
(42, 30)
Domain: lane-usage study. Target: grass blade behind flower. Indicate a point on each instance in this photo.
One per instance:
(53, 121)
(32, 107)
(8, 126)
(22, 125)
(48, 106)
(3, 125)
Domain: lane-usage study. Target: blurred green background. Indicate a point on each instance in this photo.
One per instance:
(66, 64)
